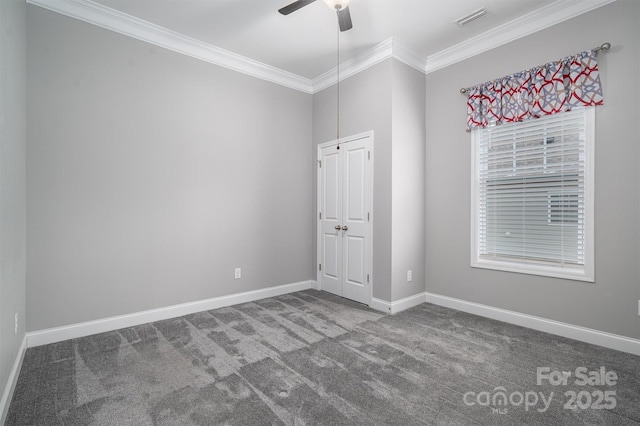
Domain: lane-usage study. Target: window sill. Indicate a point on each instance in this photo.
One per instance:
(566, 272)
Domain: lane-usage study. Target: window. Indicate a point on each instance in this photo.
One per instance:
(532, 196)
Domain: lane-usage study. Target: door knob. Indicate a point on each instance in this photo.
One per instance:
(345, 228)
(337, 227)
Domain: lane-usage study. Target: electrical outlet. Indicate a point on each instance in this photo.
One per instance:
(238, 273)
(15, 329)
(409, 275)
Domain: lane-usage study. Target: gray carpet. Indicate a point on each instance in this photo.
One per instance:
(313, 358)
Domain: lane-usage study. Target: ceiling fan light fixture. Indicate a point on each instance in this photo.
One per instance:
(470, 17)
(337, 4)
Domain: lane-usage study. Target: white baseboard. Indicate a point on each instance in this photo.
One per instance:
(398, 305)
(58, 334)
(11, 382)
(583, 334)
(408, 302)
(380, 305)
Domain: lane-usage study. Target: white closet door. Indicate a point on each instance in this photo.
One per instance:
(345, 227)
(331, 223)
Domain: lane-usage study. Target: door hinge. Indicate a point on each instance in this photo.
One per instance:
(368, 217)
(319, 266)
(369, 154)
(320, 215)
(367, 277)
(320, 163)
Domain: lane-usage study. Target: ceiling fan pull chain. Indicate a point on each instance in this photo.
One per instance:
(338, 85)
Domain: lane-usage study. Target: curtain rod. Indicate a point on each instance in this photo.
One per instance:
(603, 46)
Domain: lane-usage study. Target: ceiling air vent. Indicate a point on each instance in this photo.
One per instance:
(470, 17)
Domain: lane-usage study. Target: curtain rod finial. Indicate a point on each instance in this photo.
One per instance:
(464, 90)
(605, 46)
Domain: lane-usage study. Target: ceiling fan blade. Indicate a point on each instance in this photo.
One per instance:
(295, 6)
(344, 19)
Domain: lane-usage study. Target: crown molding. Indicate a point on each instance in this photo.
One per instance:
(404, 54)
(350, 67)
(119, 22)
(110, 19)
(390, 48)
(105, 17)
(545, 17)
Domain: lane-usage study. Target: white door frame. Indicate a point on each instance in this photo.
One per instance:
(334, 142)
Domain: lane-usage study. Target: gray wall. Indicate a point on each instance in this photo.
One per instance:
(365, 104)
(152, 175)
(408, 170)
(611, 303)
(12, 182)
(387, 98)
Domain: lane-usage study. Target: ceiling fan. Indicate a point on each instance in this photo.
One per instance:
(340, 6)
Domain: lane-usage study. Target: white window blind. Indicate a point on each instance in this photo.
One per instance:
(532, 202)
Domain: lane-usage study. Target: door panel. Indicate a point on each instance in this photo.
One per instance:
(332, 186)
(355, 260)
(345, 188)
(355, 286)
(331, 190)
(354, 183)
(331, 250)
(357, 237)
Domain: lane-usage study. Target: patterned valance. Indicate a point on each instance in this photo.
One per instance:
(548, 89)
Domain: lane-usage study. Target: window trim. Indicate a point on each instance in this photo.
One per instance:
(584, 272)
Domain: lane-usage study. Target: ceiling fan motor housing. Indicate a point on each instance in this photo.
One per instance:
(337, 4)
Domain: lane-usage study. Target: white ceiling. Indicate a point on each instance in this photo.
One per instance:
(304, 42)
